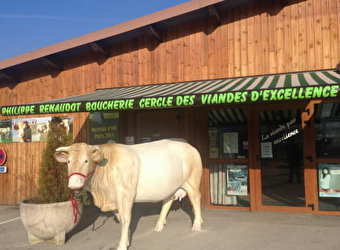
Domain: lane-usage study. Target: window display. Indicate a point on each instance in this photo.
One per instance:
(228, 142)
(229, 184)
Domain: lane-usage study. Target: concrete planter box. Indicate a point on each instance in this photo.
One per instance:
(49, 222)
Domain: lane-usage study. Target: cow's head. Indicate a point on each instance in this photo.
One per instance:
(81, 160)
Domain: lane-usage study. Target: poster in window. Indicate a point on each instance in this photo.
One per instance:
(104, 127)
(5, 131)
(230, 143)
(237, 180)
(329, 180)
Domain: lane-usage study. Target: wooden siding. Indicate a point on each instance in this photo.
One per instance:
(260, 38)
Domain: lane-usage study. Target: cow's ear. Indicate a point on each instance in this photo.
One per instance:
(60, 156)
(97, 154)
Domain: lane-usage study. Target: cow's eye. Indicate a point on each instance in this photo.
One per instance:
(68, 161)
(86, 161)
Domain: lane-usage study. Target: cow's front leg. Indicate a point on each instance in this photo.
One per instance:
(125, 204)
(162, 217)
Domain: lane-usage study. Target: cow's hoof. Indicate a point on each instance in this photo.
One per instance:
(196, 226)
(159, 228)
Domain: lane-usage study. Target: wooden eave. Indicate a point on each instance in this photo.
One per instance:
(149, 24)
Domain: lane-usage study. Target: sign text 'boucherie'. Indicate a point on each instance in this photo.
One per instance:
(286, 94)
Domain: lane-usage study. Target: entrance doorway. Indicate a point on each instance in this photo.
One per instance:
(281, 158)
(281, 163)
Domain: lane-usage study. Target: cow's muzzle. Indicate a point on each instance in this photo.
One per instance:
(78, 180)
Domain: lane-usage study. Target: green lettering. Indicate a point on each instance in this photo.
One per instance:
(222, 98)
(325, 92)
(214, 99)
(280, 94)
(41, 109)
(334, 91)
(153, 102)
(308, 92)
(294, 94)
(288, 94)
(192, 100)
(273, 95)
(230, 97)
(301, 93)
(244, 96)
(237, 96)
(254, 96)
(204, 99)
(88, 106)
(266, 94)
(317, 93)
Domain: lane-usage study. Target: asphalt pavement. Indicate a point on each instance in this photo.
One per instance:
(231, 230)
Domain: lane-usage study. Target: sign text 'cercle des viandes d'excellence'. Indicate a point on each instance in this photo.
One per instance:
(311, 92)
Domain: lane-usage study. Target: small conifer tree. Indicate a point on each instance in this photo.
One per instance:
(53, 176)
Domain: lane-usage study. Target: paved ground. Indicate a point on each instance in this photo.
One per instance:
(231, 230)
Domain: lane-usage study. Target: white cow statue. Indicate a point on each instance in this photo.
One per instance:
(118, 175)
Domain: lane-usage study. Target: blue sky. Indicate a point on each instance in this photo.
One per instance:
(28, 25)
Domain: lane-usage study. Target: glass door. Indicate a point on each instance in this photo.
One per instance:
(280, 159)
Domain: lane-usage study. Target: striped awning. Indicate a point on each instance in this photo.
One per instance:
(283, 87)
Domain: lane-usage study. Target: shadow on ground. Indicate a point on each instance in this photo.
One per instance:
(91, 214)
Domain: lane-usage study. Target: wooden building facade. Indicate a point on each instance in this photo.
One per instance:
(253, 84)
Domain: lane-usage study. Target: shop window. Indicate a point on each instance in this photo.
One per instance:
(327, 144)
(228, 138)
(229, 184)
(103, 127)
(228, 153)
(327, 132)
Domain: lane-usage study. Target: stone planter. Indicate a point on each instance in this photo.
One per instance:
(49, 222)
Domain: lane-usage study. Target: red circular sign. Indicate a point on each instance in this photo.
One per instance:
(3, 156)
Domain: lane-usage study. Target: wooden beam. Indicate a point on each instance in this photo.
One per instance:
(96, 47)
(152, 32)
(337, 70)
(52, 62)
(8, 77)
(214, 14)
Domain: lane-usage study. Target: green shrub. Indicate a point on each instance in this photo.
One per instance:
(53, 176)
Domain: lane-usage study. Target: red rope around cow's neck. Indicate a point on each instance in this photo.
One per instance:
(75, 207)
(74, 201)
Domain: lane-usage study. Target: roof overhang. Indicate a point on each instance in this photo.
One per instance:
(51, 57)
(268, 88)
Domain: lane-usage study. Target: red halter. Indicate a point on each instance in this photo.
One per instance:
(74, 202)
(82, 175)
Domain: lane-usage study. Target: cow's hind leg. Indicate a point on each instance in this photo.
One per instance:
(195, 199)
(162, 217)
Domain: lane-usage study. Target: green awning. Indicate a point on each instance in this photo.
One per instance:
(283, 87)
